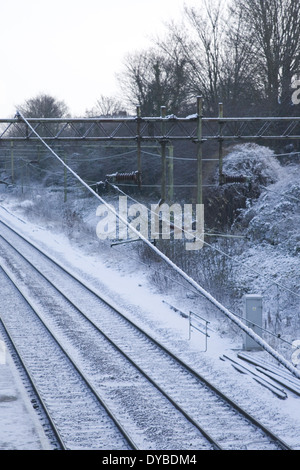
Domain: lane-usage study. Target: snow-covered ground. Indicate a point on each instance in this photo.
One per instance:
(122, 273)
(20, 428)
(269, 263)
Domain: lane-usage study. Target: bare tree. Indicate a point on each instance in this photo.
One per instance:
(238, 86)
(274, 29)
(44, 106)
(107, 106)
(152, 79)
(199, 56)
(244, 53)
(216, 59)
(204, 50)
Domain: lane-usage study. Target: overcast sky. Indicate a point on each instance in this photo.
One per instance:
(72, 49)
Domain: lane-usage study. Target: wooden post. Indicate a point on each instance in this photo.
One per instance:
(221, 114)
(163, 157)
(199, 149)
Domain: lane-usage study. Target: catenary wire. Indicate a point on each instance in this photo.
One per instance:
(211, 246)
(289, 366)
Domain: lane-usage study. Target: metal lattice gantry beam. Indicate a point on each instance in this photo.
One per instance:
(164, 129)
(152, 128)
(99, 129)
(252, 128)
(163, 257)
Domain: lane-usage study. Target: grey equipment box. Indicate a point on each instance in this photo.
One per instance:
(253, 316)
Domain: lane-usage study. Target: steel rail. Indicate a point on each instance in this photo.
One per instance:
(216, 445)
(183, 274)
(25, 369)
(182, 363)
(129, 440)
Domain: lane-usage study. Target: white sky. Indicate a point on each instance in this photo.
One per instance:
(73, 49)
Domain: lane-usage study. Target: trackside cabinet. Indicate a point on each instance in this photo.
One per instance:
(253, 310)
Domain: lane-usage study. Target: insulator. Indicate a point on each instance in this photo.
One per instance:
(134, 176)
(227, 179)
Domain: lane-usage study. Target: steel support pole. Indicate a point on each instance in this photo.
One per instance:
(171, 173)
(191, 281)
(65, 180)
(163, 157)
(199, 149)
(139, 150)
(12, 162)
(22, 176)
(221, 115)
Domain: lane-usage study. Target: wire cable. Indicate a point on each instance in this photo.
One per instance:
(191, 281)
(213, 247)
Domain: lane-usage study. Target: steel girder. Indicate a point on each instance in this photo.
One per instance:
(170, 128)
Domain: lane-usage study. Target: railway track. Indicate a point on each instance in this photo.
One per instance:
(36, 400)
(67, 397)
(142, 394)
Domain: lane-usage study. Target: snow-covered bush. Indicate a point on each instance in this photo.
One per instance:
(223, 204)
(257, 163)
(275, 217)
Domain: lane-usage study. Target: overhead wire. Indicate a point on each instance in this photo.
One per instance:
(130, 256)
(191, 281)
(278, 336)
(213, 247)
